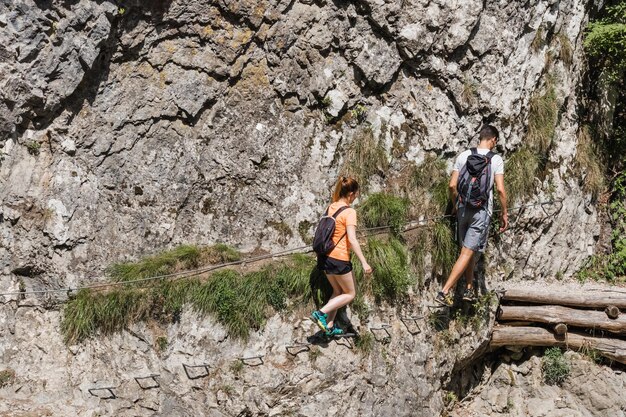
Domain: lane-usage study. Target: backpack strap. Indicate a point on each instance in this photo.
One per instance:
(337, 213)
(490, 155)
(474, 151)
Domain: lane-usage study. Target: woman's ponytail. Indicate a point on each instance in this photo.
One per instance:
(345, 186)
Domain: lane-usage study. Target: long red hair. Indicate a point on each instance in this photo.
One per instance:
(345, 186)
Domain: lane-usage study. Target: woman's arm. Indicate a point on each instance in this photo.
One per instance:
(351, 231)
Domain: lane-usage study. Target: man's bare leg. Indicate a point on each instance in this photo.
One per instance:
(465, 258)
(469, 273)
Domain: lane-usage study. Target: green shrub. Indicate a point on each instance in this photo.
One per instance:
(380, 209)
(555, 366)
(605, 40)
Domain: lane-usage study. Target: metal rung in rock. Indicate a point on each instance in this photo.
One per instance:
(253, 360)
(383, 328)
(298, 348)
(189, 370)
(111, 396)
(147, 384)
(415, 321)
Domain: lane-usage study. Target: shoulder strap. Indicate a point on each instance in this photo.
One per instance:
(339, 210)
(490, 155)
(474, 151)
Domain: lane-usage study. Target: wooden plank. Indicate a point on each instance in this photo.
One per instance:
(580, 298)
(557, 314)
(614, 349)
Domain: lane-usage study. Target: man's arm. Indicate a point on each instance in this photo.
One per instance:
(504, 214)
(454, 178)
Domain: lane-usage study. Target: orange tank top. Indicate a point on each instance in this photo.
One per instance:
(346, 218)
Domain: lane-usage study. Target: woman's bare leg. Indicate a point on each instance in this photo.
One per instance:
(346, 286)
(336, 292)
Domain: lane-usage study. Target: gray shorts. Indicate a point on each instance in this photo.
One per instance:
(473, 228)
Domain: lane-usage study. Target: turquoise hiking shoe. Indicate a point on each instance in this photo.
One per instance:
(334, 331)
(319, 318)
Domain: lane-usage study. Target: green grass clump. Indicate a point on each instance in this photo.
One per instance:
(182, 257)
(391, 278)
(7, 376)
(566, 51)
(555, 366)
(220, 253)
(365, 157)
(589, 163)
(380, 209)
(239, 302)
(521, 170)
(444, 247)
(542, 118)
(364, 342)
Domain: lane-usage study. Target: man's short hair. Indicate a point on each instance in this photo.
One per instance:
(488, 132)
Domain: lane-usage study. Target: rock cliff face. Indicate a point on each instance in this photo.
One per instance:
(129, 127)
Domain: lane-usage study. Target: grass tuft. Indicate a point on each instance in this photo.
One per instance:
(364, 342)
(555, 366)
(444, 247)
(542, 118)
(566, 52)
(365, 157)
(522, 167)
(219, 253)
(380, 209)
(589, 164)
(391, 278)
(182, 257)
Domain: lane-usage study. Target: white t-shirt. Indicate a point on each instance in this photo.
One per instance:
(497, 167)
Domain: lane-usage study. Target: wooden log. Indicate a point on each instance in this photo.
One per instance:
(614, 349)
(580, 298)
(612, 312)
(556, 314)
(560, 329)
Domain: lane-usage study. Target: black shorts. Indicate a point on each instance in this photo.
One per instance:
(334, 266)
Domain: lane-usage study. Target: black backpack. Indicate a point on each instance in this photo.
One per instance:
(323, 239)
(474, 181)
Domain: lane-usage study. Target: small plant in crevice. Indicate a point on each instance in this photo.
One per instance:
(555, 366)
(566, 51)
(161, 343)
(364, 342)
(236, 367)
(314, 354)
(33, 147)
(359, 113)
(469, 94)
(450, 399)
(538, 41)
(7, 377)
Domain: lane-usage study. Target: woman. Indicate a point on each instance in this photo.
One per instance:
(336, 264)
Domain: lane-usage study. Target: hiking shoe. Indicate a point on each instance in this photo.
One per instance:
(444, 299)
(469, 295)
(319, 318)
(334, 331)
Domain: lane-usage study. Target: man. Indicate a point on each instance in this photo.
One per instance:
(473, 217)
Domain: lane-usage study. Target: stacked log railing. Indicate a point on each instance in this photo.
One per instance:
(582, 319)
